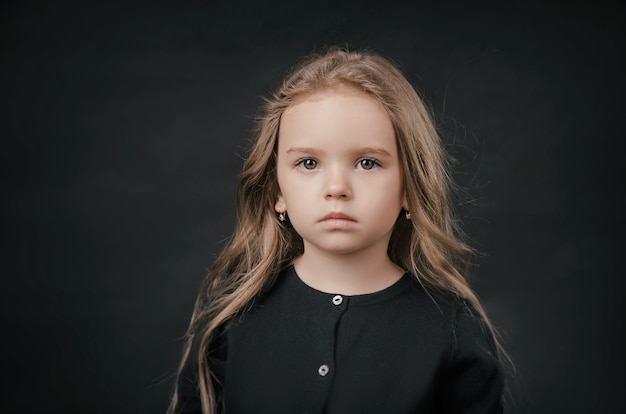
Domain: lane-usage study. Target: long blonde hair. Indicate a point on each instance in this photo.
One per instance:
(428, 245)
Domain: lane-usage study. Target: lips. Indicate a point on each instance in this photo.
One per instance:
(337, 216)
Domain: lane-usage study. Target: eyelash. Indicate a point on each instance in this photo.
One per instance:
(376, 163)
(372, 160)
(300, 163)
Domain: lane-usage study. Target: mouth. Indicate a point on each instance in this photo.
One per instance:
(337, 216)
(338, 221)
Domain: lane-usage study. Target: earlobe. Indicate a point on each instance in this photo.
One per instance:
(280, 205)
(281, 209)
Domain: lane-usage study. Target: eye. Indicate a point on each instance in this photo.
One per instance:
(307, 164)
(368, 164)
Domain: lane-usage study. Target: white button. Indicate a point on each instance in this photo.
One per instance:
(323, 370)
(337, 300)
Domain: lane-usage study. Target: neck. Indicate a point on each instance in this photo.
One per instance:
(347, 274)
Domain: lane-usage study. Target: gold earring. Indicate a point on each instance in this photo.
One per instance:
(407, 214)
(282, 216)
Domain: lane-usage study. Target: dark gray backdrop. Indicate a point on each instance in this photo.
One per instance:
(122, 134)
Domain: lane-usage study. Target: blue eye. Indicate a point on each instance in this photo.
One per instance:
(368, 164)
(307, 164)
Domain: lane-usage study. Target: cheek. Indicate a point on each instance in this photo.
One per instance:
(389, 187)
(294, 197)
(298, 205)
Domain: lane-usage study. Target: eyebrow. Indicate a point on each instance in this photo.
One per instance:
(361, 150)
(303, 150)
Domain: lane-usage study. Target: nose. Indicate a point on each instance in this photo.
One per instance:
(337, 184)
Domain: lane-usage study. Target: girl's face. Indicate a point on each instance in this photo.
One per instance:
(338, 171)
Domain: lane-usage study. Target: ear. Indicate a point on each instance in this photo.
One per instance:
(405, 203)
(280, 205)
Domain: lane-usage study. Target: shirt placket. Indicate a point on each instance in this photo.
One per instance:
(333, 310)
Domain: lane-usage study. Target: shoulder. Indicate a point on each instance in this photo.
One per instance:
(441, 301)
(436, 302)
(456, 323)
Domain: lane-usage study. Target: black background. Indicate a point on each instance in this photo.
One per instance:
(123, 128)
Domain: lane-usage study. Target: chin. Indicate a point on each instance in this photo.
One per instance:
(340, 249)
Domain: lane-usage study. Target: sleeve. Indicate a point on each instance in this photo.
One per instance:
(188, 383)
(473, 380)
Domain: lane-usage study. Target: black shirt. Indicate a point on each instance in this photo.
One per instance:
(399, 350)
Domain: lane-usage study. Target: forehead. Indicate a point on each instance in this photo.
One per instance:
(338, 115)
(339, 93)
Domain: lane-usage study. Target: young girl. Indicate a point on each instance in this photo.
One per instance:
(343, 287)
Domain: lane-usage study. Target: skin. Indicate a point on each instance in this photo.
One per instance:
(341, 186)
